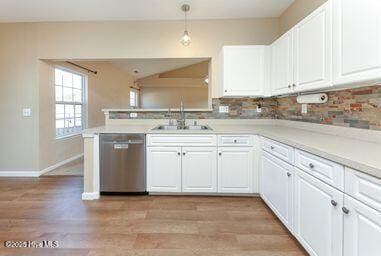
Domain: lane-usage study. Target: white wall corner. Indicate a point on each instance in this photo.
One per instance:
(90, 195)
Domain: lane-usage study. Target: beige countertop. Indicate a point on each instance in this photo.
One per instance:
(362, 155)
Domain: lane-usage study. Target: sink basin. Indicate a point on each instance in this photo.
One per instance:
(188, 127)
(166, 127)
(197, 127)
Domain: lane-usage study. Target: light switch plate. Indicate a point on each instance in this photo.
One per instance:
(26, 112)
(133, 115)
(304, 108)
(223, 109)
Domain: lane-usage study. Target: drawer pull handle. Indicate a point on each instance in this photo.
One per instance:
(311, 166)
(272, 147)
(345, 210)
(333, 202)
(288, 174)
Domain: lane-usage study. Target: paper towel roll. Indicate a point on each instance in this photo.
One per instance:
(312, 98)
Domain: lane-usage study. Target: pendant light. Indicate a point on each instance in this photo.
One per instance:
(185, 39)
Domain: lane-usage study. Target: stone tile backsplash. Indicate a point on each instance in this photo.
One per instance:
(359, 108)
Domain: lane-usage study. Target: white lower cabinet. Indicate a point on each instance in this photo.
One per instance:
(235, 169)
(276, 187)
(318, 216)
(164, 169)
(362, 229)
(199, 169)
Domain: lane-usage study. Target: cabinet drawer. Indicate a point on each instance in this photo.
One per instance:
(363, 187)
(235, 140)
(323, 169)
(284, 152)
(181, 140)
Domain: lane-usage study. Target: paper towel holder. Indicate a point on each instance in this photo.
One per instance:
(318, 98)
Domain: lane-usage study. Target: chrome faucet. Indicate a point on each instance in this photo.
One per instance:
(181, 119)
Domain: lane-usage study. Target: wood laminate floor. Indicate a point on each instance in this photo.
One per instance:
(50, 208)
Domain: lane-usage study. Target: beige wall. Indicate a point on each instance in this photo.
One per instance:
(296, 12)
(165, 90)
(18, 89)
(169, 97)
(22, 44)
(109, 88)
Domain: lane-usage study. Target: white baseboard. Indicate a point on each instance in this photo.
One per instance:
(90, 195)
(38, 173)
(19, 174)
(55, 166)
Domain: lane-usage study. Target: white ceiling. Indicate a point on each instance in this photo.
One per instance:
(147, 67)
(86, 10)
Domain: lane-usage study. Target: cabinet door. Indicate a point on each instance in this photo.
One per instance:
(199, 169)
(356, 41)
(318, 219)
(313, 51)
(235, 169)
(243, 70)
(276, 187)
(281, 65)
(362, 229)
(164, 169)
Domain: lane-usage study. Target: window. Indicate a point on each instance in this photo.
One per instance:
(70, 98)
(134, 98)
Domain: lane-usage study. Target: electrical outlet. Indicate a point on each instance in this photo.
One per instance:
(26, 112)
(259, 109)
(133, 115)
(304, 108)
(223, 109)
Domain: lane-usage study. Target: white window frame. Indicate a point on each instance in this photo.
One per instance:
(84, 113)
(136, 91)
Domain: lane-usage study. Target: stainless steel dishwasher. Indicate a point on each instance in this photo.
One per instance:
(122, 163)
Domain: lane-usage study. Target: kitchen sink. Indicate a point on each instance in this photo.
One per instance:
(188, 127)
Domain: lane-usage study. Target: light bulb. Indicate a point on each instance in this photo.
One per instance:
(185, 39)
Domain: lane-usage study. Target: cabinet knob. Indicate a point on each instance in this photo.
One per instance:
(289, 86)
(272, 147)
(183, 153)
(345, 210)
(333, 202)
(235, 141)
(178, 153)
(226, 90)
(293, 85)
(288, 174)
(219, 153)
(311, 165)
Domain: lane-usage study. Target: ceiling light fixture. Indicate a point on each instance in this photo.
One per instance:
(185, 39)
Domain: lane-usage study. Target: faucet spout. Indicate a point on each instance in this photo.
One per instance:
(181, 119)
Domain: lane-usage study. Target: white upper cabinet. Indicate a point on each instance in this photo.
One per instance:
(356, 41)
(244, 70)
(312, 41)
(281, 65)
(362, 229)
(199, 169)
